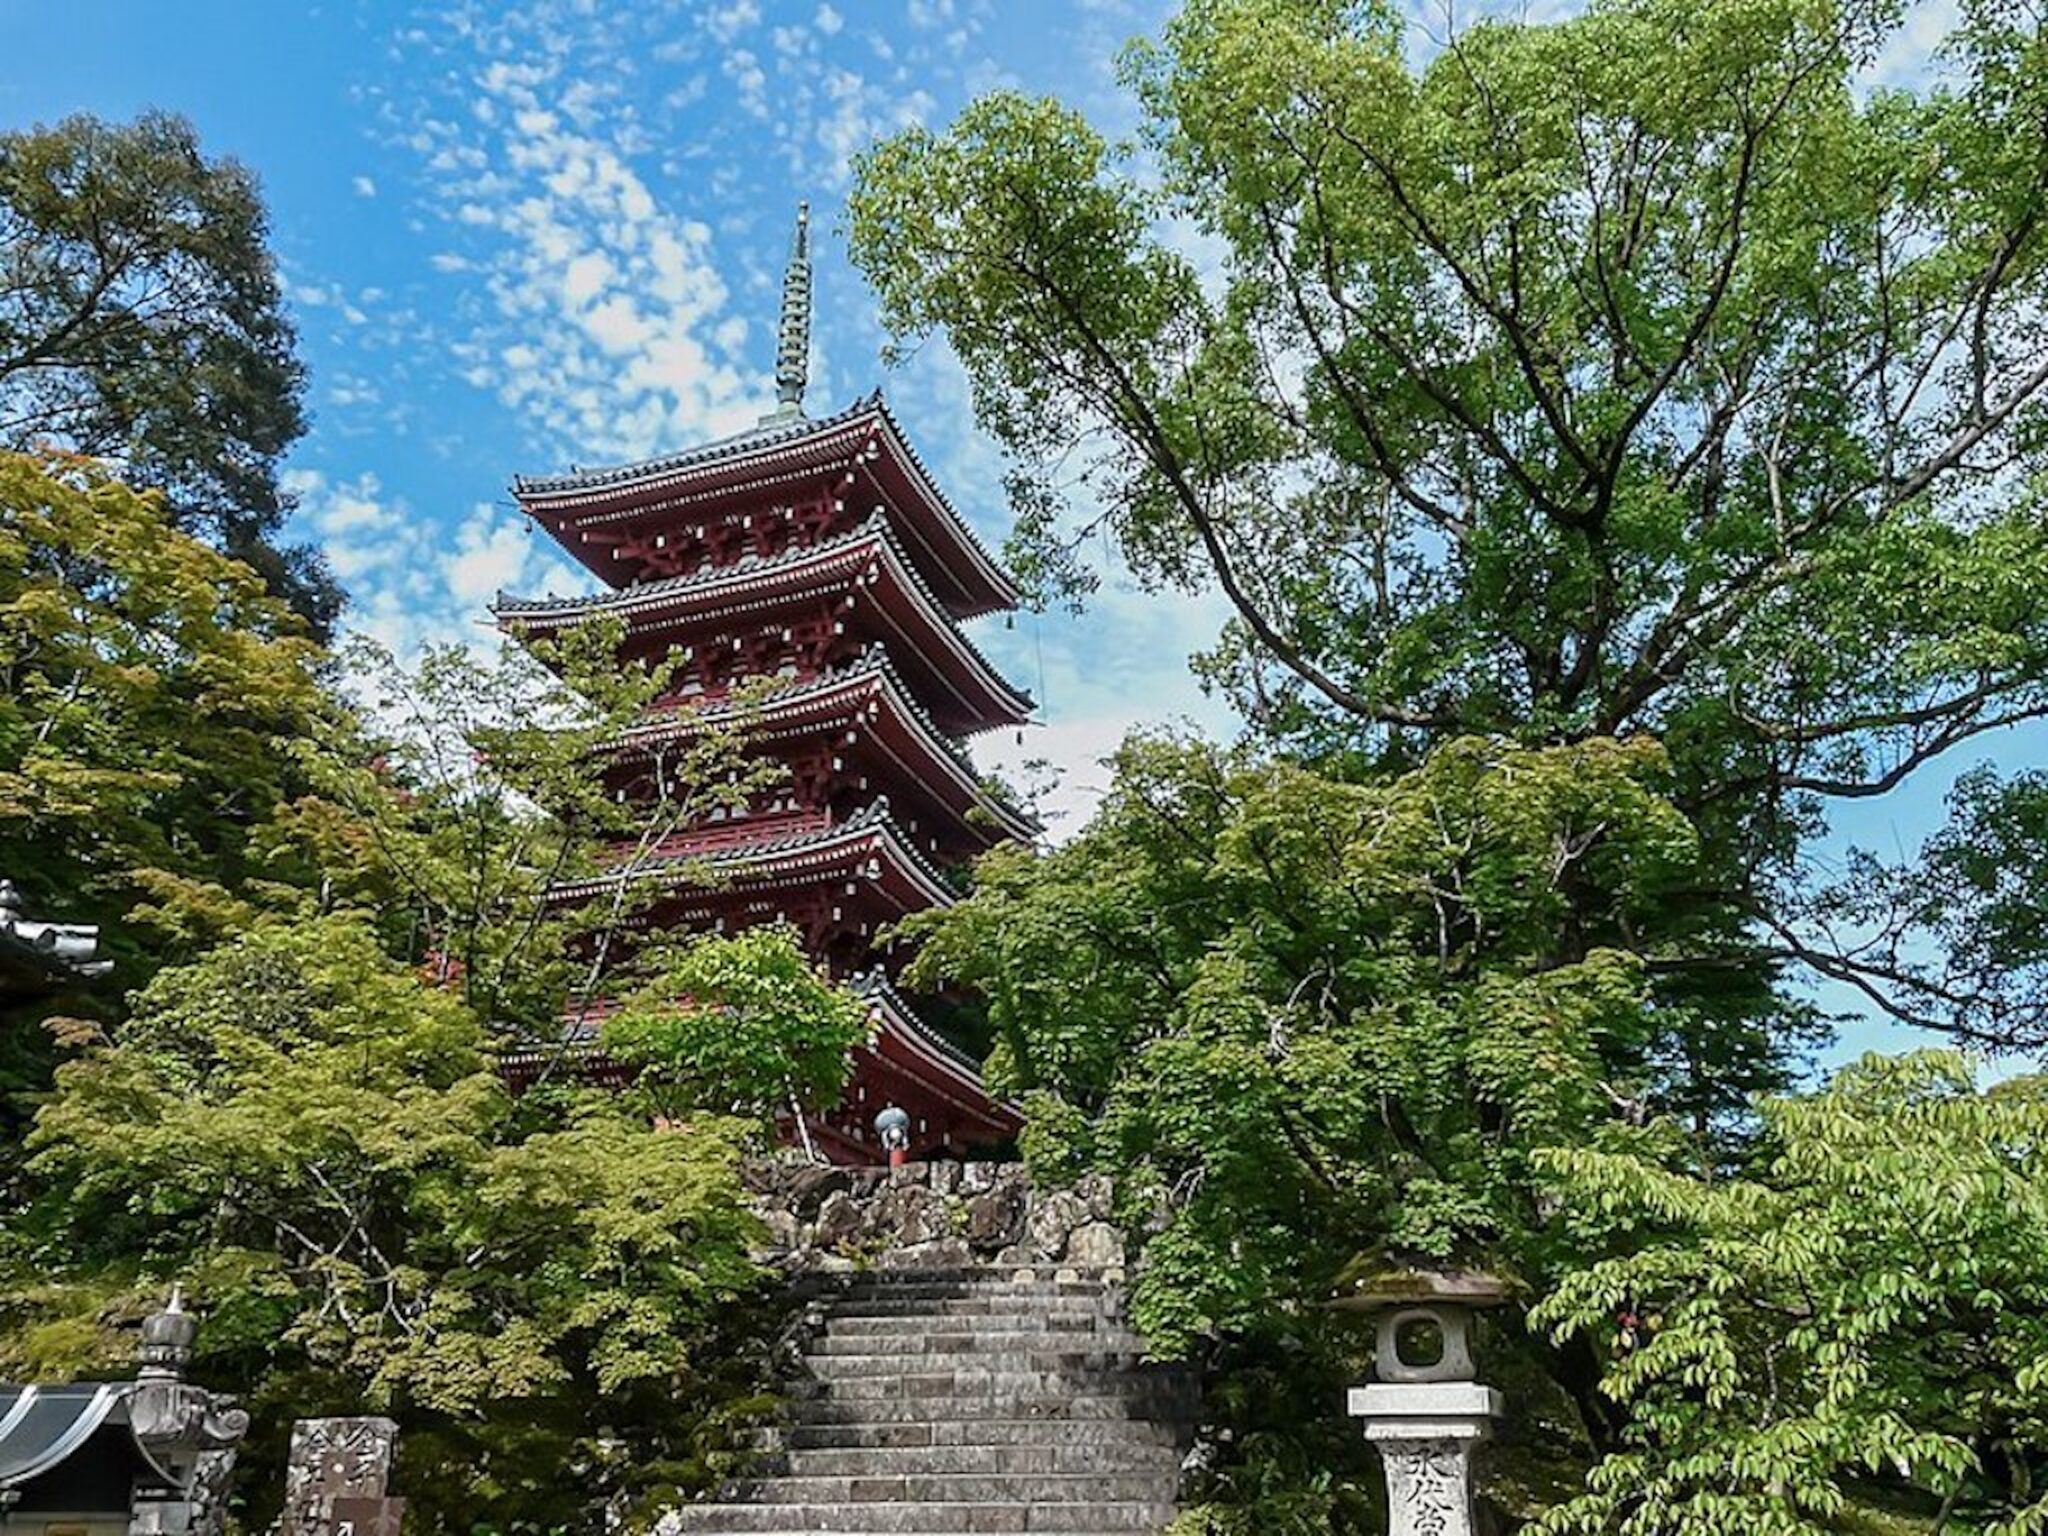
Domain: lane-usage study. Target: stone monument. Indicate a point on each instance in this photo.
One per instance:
(1426, 1412)
(336, 1476)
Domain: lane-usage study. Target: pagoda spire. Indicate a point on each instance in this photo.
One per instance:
(793, 336)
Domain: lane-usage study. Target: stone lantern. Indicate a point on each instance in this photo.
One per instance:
(1426, 1411)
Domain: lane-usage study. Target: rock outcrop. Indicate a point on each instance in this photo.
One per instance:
(932, 1216)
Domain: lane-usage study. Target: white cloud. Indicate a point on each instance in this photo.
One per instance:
(363, 186)
(605, 323)
(494, 552)
(828, 21)
(726, 22)
(409, 584)
(749, 80)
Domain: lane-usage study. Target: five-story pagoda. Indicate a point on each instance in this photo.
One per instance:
(818, 553)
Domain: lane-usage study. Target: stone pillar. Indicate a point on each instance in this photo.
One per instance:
(1425, 1432)
(335, 1476)
(188, 1435)
(1426, 1413)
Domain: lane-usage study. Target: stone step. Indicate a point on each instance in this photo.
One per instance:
(1096, 1455)
(853, 1378)
(1069, 1356)
(890, 1305)
(1039, 1432)
(1162, 1401)
(923, 1285)
(961, 1488)
(951, 1339)
(888, 1519)
(913, 1323)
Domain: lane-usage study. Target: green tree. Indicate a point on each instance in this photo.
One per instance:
(309, 1123)
(430, 888)
(141, 322)
(1647, 371)
(315, 1139)
(1311, 1026)
(147, 684)
(746, 1023)
(1858, 1325)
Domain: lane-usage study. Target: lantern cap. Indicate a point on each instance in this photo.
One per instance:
(1383, 1283)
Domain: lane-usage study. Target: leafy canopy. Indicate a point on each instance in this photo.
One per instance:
(141, 321)
(302, 1116)
(1861, 1319)
(317, 1141)
(1305, 1022)
(147, 684)
(1645, 371)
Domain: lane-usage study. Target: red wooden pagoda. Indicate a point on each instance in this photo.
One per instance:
(819, 552)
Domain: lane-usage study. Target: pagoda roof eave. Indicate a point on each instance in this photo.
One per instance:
(873, 677)
(800, 858)
(752, 581)
(594, 496)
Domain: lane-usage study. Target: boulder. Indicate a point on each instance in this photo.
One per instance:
(1097, 1193)
(909, 1214)
(945, 1253)
(1052, 1219)
(1096, 1245)
(784, 1231)
(995, 1218)
(840, 1220)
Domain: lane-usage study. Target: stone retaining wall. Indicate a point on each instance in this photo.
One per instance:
(935, 1215)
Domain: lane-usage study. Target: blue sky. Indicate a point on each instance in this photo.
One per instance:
(520, 236)
(517, 237)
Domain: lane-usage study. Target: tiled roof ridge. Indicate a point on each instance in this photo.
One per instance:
(873, 527)
(749, 564)
(874, 662)
(771, 435)
(931, 484)
(871, 817)
(874, 665)
(875, 986)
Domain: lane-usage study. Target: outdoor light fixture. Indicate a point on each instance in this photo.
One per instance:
(893, 1126)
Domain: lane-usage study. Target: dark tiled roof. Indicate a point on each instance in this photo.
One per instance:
(41, 1427)
(769, 434)
(876, 987)
(872, 817)
(874, 529)
(875, 663)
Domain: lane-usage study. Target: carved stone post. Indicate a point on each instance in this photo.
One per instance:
(187, 1434)
(1425, 1414)
(335, 1476)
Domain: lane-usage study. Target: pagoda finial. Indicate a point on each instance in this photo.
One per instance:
(793, 338)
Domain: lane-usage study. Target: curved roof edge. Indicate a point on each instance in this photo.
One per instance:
(768, 437)
(508, 607)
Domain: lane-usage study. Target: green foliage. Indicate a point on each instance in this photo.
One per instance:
(1862, 1320)
(141, 322)
(314, 1138)
(146, 684)
(474, 806)
(1307, 1023)
(1641, 371)
(747, 1023)
(303, 1118)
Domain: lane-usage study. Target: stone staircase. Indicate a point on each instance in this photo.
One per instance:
(967, 1401)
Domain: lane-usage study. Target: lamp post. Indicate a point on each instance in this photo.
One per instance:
(1425, 1413)
(893, 1126)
